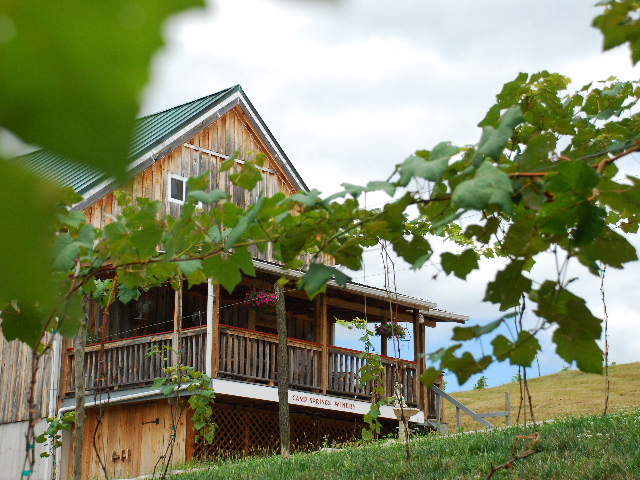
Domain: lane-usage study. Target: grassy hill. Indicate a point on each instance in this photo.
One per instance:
(583, 447)
(592, 448)
(569, 392)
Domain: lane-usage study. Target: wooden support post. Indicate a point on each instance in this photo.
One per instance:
(211, 299)
(323, 338)
(507, 407)
(419, 350)
(177, 327)
(252, 352)
(79, 346)
(252, 319)
(441, 403)
(283, 373)
(65, 381)
(418, 357)
(384, 343)
(215, 332)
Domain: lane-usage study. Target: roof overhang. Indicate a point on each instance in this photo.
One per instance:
(442, 316)
(355, 288)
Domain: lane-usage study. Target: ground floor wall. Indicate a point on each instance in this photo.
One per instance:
(13, 448)
(246, 430)
(133, 437)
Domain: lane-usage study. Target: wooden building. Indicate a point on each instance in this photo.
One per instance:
(213, 329)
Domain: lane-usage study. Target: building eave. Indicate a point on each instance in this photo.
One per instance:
(356, 288)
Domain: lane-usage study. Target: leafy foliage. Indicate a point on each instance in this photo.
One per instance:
(370, 375)
(52, 435)
(481, 384)
(180, 377)
(619, 24)
(542, 179)
(94, 66)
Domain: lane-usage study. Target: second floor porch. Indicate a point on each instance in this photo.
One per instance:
(243, 355)
(218, 333)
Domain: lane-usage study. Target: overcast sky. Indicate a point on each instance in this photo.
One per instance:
(351, 88)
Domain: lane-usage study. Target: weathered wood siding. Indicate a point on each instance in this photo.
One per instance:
(15, 379)
(204, 152)
(124, 428)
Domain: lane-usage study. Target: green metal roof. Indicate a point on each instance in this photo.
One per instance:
(61, 170)
(149, 132)
(154, 129)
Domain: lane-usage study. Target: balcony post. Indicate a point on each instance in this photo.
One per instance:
(211, 298)
(177, 326)
(215, 332)
(384, 342)
(418, 354)
(323, 338)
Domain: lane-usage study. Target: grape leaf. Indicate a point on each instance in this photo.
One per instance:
(427, 165)
(508, 286)
(468, 333)
(522, 352)
(493, 140)
(489, 186)
(88, 76)
(316, 278)
(27, 209)
(461, 265)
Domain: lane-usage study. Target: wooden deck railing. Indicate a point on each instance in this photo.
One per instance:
(128, 366)
(244, 355)
(250, 355)
(344, 377)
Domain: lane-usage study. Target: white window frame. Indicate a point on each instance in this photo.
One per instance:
(173, 176)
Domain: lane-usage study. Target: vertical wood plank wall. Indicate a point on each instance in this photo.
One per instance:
(231, 133)
(15, 379)
(124, 428)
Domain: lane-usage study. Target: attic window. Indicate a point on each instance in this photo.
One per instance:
(177, 188)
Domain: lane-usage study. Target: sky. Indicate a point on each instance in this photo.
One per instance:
(350, 88)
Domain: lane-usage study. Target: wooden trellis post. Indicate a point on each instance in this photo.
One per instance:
(283, 372)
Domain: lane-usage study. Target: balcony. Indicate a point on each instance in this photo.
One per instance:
(217, 332)
(244, 355)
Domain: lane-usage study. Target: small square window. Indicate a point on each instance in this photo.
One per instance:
(177, 188)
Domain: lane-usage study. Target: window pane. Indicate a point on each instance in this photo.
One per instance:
(177, 192)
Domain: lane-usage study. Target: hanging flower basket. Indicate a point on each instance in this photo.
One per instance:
(386, 329)
(260, 300)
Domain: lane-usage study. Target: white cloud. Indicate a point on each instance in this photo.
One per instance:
(351, 88)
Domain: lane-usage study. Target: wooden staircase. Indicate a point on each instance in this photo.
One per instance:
(437, 425)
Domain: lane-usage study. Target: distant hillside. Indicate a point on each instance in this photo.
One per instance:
(570, 392)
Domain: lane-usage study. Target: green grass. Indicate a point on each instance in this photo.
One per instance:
(588, 447)
(565, 393)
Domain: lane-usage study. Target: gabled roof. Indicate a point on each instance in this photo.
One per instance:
(61, 170)
(154, 136)
(153, 129)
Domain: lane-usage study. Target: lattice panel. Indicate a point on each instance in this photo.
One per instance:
(304, 433)
(246, 431)
(263, 432)
(228, 440)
